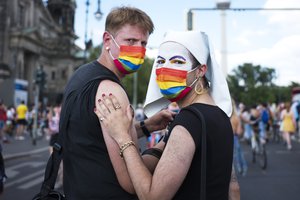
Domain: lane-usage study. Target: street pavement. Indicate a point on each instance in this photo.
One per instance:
(281, 179)
(20, 148)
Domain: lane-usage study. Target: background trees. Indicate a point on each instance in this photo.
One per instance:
(255, 84)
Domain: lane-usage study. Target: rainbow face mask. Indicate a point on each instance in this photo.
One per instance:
(172, 83)
(130, 58)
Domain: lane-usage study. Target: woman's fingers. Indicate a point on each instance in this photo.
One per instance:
(104, 110)
(116, 104)
(98, 113)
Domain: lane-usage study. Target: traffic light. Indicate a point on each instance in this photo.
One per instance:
(40, 77)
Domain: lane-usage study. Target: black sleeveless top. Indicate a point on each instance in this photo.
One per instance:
(88, 171)
(219, 153)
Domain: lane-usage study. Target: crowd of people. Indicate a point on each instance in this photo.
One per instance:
(269, 122)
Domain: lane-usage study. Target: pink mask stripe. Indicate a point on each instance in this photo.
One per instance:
(182, 94)
(120, 66)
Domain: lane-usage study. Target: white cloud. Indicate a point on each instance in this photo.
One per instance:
(283, 56)
(245, 38)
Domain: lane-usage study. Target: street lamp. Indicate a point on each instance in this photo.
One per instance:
(223, 5)
(98, 13)
(98, 16)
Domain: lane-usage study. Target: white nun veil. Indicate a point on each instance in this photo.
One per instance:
(198, 44)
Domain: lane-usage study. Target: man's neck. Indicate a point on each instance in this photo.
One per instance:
(111, 67)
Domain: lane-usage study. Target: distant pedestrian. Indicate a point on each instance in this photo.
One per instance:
(10, 122)
(245, 117)
(288, 124)
(22, 110)
(239, 161)
(2, 171)
(53, 118)
(3, 118)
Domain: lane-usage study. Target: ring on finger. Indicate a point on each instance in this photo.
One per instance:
(117, 107)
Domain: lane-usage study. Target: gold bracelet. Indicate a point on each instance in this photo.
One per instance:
(124, 146)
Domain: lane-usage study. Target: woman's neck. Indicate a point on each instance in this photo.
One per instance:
(191, 98)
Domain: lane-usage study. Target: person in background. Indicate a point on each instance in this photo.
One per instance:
(288, 124)
(234, 187)
(174, 107)
(140, 116)
(10, 122)
(2, 171)
(245, 118)
(185, 72)
(53, 117)
(239, 161)
(93, 168)
(21, 111)
(3, 119)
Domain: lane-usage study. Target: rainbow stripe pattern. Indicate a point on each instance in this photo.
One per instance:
(130, 58)
(172, 83)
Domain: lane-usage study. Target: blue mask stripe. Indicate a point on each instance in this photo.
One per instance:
(129, 64)
(173, 90)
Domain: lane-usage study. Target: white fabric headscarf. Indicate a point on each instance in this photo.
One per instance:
(198, 44)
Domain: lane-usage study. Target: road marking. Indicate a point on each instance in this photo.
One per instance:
(11, 172)
(25, 178)
(32, 183)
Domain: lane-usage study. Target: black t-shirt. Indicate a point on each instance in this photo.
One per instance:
(219, 153)
(88, 171)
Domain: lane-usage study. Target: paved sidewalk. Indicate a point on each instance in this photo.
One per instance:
(19, 148)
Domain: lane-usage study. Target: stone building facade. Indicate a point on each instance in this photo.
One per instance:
(37, 34)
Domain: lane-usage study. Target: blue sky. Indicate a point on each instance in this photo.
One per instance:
(266, 38)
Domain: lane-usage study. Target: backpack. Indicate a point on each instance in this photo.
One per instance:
(265, 116)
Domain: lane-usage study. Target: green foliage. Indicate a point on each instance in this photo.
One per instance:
(254, 84)
(94, 52)
(143, 76)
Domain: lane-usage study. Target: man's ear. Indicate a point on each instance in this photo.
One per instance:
(106, 39)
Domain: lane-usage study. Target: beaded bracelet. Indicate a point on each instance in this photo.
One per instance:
(124, 146)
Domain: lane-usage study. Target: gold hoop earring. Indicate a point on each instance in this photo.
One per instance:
(201, 90)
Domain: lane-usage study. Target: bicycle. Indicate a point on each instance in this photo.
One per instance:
(259, 150)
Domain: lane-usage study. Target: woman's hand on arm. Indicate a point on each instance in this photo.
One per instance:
(106, 87)
(172, 167)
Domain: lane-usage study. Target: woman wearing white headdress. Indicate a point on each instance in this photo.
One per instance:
(185, 71)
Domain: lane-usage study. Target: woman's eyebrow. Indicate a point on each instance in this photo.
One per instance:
(177, 57)
(161, 57)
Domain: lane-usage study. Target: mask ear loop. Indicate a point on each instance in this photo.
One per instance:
(196, 77)
(112, 37)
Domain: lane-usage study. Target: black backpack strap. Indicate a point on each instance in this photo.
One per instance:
(51, 170)
(203, 150)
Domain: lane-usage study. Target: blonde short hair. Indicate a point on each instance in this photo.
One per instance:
(121, 16)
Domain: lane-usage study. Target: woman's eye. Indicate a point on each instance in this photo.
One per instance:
(177, 62)
(160, 61)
